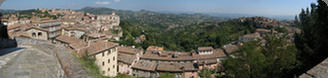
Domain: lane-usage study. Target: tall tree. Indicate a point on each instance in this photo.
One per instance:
(273, 60)
(3, 29)
(312, 42)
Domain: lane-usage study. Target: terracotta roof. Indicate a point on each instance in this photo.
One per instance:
(78, 45)
(96, 35)
(180, 56)
(17, 34)
(13, 26)
(262, 30)
(176, 67)
(205, 48)
(155, 48)
(167, 56)
(143, 65)
(67, 39)
(76, 28)
(42, 29)
(217, 53)
(126, 58)
(230, 48)
(207, 61)
(127, 50)
(98, 46)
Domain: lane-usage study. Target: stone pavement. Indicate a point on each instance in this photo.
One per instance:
(39, 59)
(29, 62)
(318, 71)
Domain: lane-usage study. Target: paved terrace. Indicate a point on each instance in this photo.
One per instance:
(319, 71)
(39, 59)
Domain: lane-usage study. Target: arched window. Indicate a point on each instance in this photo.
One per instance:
(39, 34)
(33, 35)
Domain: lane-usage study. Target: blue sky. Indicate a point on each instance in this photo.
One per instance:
(259, 7)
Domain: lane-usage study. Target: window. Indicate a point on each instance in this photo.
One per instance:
(103, 63)
(33, 35)
(108, 60)
(114, 58)
(108, 69)
(39, 34)
(72, 34)
(113, 66)
(103, 54)
(114, 49)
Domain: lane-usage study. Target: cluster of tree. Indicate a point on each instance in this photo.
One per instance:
(145, 18)
(312, 42)
(275, 59)
(3, 30)
(34, 12)
(280, 59)
(189, 37)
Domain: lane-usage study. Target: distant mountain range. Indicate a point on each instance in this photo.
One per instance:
(231, 16)
(165, 19)
(155, 19)
(7, 11)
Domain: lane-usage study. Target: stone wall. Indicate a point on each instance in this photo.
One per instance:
(7, 43)
(319, 71)
(70, 65)
(141, 73)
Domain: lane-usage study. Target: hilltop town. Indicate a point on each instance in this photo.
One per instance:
(96, 36)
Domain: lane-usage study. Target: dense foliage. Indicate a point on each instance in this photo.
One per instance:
(3, 30)
(189, 37)
(33, 12)
(145, 18)
(166, 75)
(275, 59)
(312, 42)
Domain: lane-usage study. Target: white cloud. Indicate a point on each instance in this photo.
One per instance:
(103, 3)
(117, 0)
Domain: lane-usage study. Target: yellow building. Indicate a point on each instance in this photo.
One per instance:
(105, 54)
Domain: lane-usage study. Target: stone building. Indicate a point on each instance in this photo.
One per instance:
(179, 70)
(144, 69)
(105, 54)
(74, 31)
(205, 50)
(125, 63)
(181, 64)
(108, 21)
(38, 33)
(229, 48)
(127, 56)
(71, 42)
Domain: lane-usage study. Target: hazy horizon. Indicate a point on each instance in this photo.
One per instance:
(253, 7)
